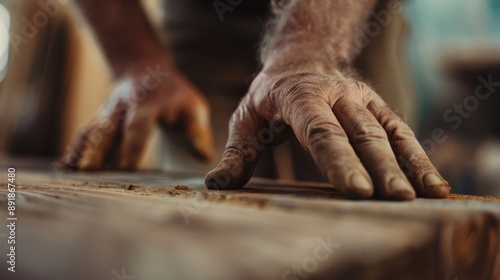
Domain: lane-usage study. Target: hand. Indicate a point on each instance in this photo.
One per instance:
(353, 136)
(149, 93)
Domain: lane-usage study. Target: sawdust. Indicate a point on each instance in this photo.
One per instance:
(472, 197)
(131, 187)
(181, 187)
(174, 192)
(183, 191)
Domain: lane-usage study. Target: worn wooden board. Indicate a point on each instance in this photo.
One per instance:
(153, 225)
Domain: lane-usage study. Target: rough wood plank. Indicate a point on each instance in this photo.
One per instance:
(89, 224)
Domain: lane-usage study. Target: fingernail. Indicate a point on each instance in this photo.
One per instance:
(401, 189)
(398, 185)
(432, 179)
(360, 183)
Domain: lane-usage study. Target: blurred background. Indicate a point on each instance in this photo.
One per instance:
(53, 79)
(454, 47)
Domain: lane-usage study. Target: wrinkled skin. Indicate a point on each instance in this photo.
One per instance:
(350, 132)
(306, 87)
(149, 94)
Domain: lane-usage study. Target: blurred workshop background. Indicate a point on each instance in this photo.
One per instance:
(53, 79)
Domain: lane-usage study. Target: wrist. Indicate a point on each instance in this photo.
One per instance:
(141, 65)
(294, 59)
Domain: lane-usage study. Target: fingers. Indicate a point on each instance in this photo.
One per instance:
(138, 125)
(199, 129)
(88, 150)
(242, 152)
(320, 132)
(74, 150)
(371, 144)
(416, 165)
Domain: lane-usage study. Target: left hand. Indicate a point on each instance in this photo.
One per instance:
(141, 100)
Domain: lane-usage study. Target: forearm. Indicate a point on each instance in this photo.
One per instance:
(123, 32)
(312, 32)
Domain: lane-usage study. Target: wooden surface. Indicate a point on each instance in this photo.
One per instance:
(169, 226)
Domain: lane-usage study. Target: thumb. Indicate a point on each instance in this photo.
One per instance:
(243, 151)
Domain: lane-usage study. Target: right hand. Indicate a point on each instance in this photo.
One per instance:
(152, 93)
(355, 139)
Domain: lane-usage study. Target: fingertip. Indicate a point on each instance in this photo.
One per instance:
(437, 191)
(433, 186)
(400, 189)
(441, 191)
(431, 180)
(403, 195)
(89, 163)
(359, 187)
(231, 174)
(217, 179)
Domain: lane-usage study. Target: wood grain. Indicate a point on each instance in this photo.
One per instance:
(85, 225)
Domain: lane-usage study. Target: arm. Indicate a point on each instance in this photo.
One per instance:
(149, 90)
(123, 32)
(307, 88)
(323, 32)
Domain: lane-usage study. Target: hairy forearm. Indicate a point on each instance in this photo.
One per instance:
(122, 30)
(314, 32)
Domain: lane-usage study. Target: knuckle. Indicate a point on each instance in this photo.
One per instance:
(297, 85)
(298, 108)
(318, 132)
(368, 132)
(237, 149)
(395, 127)
(351, 86)
(303, 86)
(239, 115)
(246, 151)
(290, 81)
(398, 130)
(246, 117)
